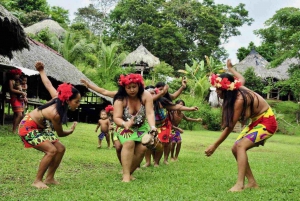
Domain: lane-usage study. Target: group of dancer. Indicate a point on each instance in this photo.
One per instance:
(140, 113)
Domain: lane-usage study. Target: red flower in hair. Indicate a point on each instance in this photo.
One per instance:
(109, 108)
(64, 92)
(156, 90)
(224, 83)
(131, 78)
(16, 71)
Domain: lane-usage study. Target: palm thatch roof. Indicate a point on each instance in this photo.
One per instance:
(56, 66)
(141, 57)
(262, 67)
(12, 35)
(52, 25)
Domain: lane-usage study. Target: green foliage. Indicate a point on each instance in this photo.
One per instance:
(159, 72)
(60, 15)
(176, 31)
(31, 5)
(283, 31)
(253, 82)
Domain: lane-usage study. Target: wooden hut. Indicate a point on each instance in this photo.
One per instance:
(263, 70)
(52, 25)
(58, 70)
(141, 59)
(12, 35)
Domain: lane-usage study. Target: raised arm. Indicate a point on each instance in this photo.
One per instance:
(191, 119)
(48, 85)
(179, 91)
(102, 91)
(181, 107)
(234, 72)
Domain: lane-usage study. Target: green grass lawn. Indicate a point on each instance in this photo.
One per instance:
(88, 173)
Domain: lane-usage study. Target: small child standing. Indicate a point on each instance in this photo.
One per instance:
(24, 88)
(176, 117)
(104, 123)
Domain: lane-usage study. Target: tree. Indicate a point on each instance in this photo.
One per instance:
(266, 50)
(253, 82)
(31, 5)
(283, 31)
(176, 30)
(60, 15)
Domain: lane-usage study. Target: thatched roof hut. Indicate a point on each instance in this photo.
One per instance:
(141, 59)
(262, 67)
(56, 66)
(52, 25)
(12, 35)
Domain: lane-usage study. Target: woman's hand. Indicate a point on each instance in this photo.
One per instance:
(229, 64)
(73, 126)
(39, 66)
(195, 108)
(210, 150)
(128, 124)
(199, 119)
(85, 83)
(184, 82)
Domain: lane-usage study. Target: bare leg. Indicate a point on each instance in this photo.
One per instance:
(55, 163)
(127, 155)
(17, 118)
(107, 140)
(139, 153)
(166, 152)
(50, 151)
(172, 151)
(112, 138)
(118, 147)
(178, 147)
(249, 175)
(157, 157)
(242, 161)
(99, 143)
(148, 158)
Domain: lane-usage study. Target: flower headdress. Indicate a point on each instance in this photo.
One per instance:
(64, 92)
(224, 83)
(109, 108)
(15, 71)
(131, 78)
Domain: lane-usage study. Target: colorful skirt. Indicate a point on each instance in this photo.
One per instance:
(132, 134)
(164, 131)
(176, 137)
(17, 104)
(260, 129)
(31, 135)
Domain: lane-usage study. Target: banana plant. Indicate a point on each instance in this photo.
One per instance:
(198, 74)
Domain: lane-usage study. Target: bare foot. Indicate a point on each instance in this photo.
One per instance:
(156, 165)
(138, 168)
(132, 178)
(39, 185)
(51, 181)
(236, 188)
(147, 165)
(166, 162)
(99, 146)
(126, 179)
(252, 185)
(173, 160)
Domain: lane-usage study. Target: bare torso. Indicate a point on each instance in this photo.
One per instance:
(104, 124)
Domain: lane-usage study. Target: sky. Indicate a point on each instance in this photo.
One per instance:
(259, 10)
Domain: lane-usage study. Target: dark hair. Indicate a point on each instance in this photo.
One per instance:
(121, 94)
(180, 101)
(162, 84)
(229, 99)
(61, 107)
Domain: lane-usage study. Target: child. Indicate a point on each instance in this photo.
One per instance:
(176, 117)
(104, 123)
(110, 110)
(24, 88)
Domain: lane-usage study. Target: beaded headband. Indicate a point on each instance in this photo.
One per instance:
(224, 83)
